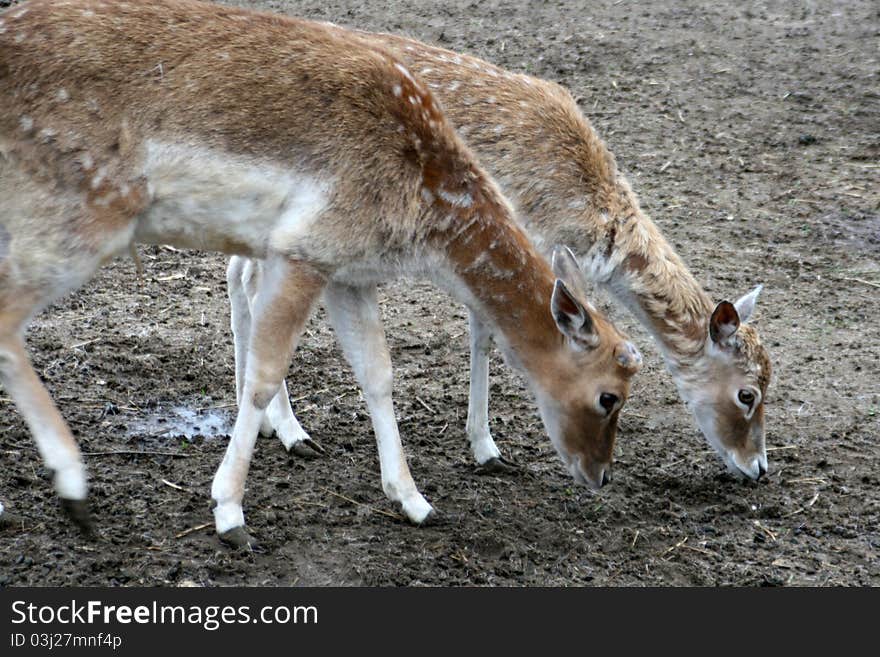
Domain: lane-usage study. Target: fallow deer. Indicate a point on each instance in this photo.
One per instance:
(186, 123)
(566, 189)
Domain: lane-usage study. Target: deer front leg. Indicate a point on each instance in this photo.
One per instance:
(483, 447)
(281, 307)
(243, 278)
(354, 314)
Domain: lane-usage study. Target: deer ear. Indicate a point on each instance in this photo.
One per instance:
(565, 265)
(723, 323)
(571, 316)
(745, 305)
(567, 269)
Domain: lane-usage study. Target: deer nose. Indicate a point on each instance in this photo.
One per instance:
(762, 470)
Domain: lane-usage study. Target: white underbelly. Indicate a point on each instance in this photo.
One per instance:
(215, 201)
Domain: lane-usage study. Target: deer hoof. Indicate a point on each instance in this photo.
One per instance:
(306, 449)
(498, 465)
(9, 520)
(238, 538)
(78, 512)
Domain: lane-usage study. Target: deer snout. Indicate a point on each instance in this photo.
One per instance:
(754, 467)
(592, 477)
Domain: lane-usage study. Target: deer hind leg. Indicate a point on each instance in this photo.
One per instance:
(243, 280)
(51, 434)
(281, 307)
(485, 451)
(41, 258)
(354, 314)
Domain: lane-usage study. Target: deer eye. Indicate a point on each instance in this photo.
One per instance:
(608, 401)
(746, 397)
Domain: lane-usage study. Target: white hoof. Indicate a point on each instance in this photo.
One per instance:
(291, 434)
(417, 510)
(228, 516)
(483, 447)
(70, 482)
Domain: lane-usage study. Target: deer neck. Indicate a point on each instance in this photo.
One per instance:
(636, 264)
(506, 279)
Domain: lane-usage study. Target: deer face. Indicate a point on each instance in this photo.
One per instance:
(585, 382)
(730, 409)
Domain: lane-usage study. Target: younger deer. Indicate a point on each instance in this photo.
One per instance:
(291, 142)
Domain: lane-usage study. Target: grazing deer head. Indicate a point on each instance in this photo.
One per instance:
(587, 381)
(726, 384)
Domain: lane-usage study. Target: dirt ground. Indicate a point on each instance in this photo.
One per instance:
(751, 132)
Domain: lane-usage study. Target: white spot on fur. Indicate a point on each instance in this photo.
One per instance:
(62, 96)
(104, 201)
(21, 36)
(425, 71)
(499, 129)
(88, 13)
(454, 85)
(414, 100)
(491, 100)
(459, 200)
(478, 262)
(20, 13)
(26, 123)
(403, 70)
(47, 134)
(427, 195)
(99, 177)
(397, 90)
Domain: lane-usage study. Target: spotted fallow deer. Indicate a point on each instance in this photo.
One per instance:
(566, 189)
(191, 124)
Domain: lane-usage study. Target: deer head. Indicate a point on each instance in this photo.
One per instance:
(585, 382)
(728, 385)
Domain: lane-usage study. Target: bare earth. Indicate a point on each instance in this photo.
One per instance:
(751, 135)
